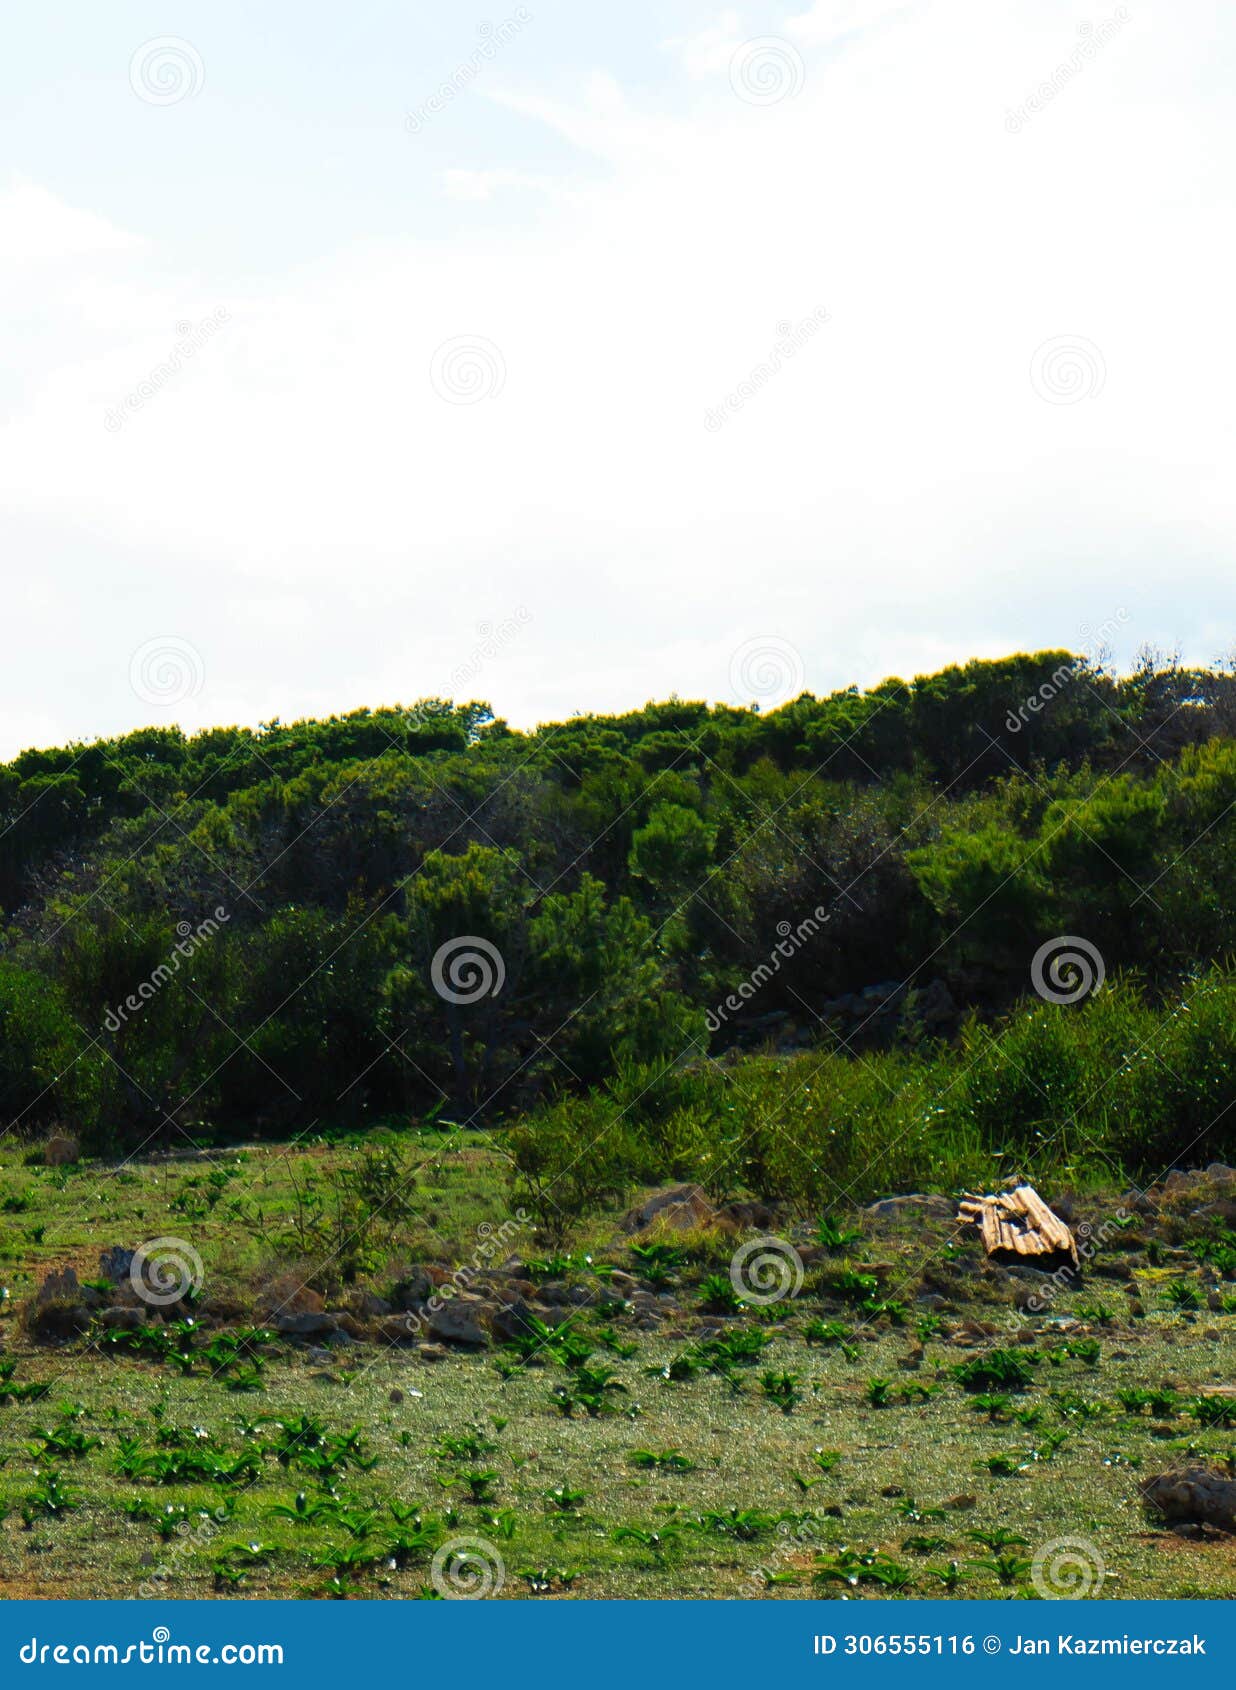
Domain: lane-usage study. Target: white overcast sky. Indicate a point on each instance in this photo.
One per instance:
(1008, 425)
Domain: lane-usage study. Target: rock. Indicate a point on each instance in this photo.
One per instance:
(122, 1320)
(304, 1325)
(288, 1295)
(960, 1503)
(371, 1307)
(892, 1490)
(395, 1397)
(1193, 1493)
(398, 1329)
(750, 1215)
(59, 1288)
(432, 1352)
(60, 1150)
(937, 1006)
(514, 1319)
(677, 1207)
(414, 1289)
(458, 1320)
(116, 1263)
(914, 1203)
(59, 1319)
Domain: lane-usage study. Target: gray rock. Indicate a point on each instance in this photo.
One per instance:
(116, 1263)
(678, 1207)
(122, 1320)
(413, 1290)
(305, 1325)
(60, 1288)
(458, 1320)
(915, 1203)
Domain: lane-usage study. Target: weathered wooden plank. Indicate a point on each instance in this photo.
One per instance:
(1019, 1224)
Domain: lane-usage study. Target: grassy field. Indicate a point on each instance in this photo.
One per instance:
(841, 1455)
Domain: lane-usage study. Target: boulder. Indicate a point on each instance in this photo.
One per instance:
(678, 1207)
(116, 1263)
(287, 1295)
(415, 1288)
(515, 1319)
(122, 1320)
(59, 1287)
(304, 1325)
(459, 1320)
(1193, 1494)
(397, 1329)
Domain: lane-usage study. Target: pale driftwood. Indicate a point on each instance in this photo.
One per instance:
(1018, 1224)
(1193, 1493)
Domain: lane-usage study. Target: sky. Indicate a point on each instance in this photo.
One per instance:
(569, 356)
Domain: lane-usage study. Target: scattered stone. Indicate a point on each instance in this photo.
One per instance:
(962, 1502)
(678, 1207)
(397, 1329)
(458, 1320)
(414, 1289)
(913, 1203)
(122, 1320)
(892, 1490)
(59, 1287)
(432, 1352)
(371, 1307)
(304, 1325)
(396, 1397)
(1196, 1494)
(288, 1295)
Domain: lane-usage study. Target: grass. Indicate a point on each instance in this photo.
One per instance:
(751, 1461)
